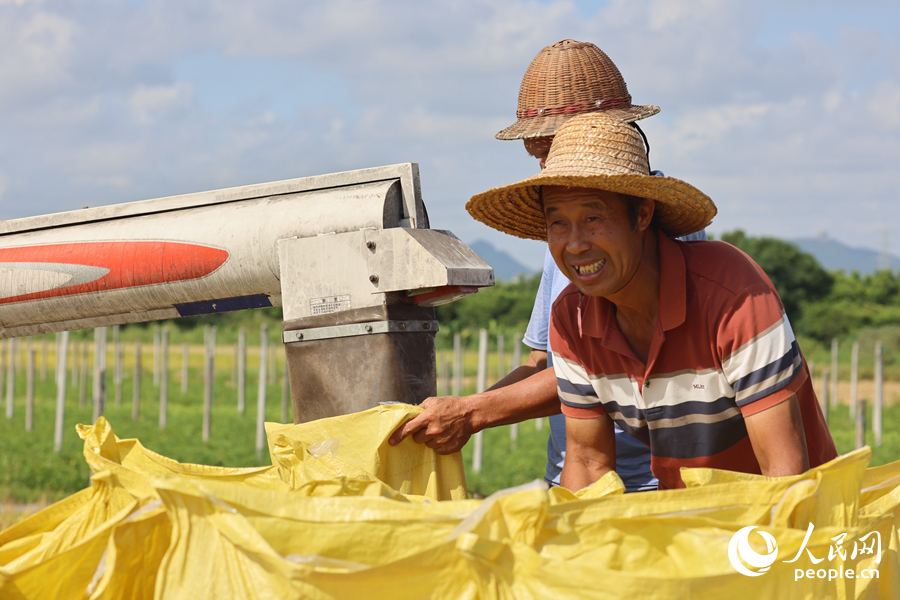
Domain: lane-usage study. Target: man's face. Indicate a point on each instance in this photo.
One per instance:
(539, 148)
(591, 237)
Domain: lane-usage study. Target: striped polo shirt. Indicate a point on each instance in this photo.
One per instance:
(723, 349)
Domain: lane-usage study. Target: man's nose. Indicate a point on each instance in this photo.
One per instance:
(577, 241)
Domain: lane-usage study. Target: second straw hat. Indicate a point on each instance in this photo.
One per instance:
(565, 79)
(594, 150)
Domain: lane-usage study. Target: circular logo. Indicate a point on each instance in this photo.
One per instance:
(740, 553)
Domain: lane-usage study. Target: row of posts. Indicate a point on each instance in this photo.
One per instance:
(828, 397)
(452, 381)
(78, 377)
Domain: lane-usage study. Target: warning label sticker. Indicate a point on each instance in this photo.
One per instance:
(329, 304)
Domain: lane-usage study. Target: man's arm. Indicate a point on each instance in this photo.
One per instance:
(448, 422)
(590, 451)
(778, 439)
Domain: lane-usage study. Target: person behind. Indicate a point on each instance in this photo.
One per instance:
(564, 79)
(684, 346)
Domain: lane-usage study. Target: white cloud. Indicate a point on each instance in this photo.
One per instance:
(884, 105)
(94, 108)
(149, 103)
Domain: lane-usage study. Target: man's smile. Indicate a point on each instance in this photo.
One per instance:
(589, 269)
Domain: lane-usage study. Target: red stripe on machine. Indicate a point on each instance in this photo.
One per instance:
(130, 264)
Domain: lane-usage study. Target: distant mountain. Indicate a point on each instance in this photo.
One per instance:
(506, 268)
(834, 255)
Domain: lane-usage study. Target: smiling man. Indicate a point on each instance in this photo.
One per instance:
(685, 346)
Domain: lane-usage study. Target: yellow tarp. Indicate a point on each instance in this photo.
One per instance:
(342, 514)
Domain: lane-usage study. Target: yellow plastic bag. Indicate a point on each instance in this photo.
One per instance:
(356, 446)
(342, 514)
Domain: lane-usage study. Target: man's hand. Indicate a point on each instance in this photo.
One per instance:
(778, 439)
(444, 426)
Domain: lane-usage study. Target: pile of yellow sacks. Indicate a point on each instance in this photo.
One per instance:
(342, 514)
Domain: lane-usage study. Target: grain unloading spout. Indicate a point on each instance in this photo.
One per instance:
(348, 255)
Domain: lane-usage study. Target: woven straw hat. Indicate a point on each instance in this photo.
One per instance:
(566, 79)
(594, 150)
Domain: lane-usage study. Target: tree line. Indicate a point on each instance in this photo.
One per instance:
(821, 304)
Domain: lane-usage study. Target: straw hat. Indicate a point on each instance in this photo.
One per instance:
(565, 79)
(594, 150)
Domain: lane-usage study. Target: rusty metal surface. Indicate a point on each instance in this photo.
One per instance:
(343, 375)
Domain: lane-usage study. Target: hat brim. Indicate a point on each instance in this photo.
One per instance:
(516, 209)
(548, 125)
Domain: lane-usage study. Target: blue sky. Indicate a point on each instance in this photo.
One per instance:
(787, 113)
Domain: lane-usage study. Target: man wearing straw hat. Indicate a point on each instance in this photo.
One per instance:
(685, 346)
(564, 79)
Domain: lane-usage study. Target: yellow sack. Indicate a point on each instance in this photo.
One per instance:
(133, 464)
(356, 446)
(322, 523)
(60, 563)
(801, 502)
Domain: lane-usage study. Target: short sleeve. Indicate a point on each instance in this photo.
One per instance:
(578, 397)
(536, 334)
(759, 354)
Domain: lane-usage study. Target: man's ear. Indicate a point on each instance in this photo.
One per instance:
(645, 214)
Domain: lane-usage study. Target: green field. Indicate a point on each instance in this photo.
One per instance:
(31, 471)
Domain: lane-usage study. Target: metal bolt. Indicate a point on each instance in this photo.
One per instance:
(401, 325)
(370, 245)
(369, 328)
(426, 326)
(299, 336)
(373, 278)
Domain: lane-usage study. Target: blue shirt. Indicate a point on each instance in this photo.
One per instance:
(632, 456)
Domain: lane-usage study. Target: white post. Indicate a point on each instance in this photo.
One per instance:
(136, 390)
(481, 385)
(164, 379)
(273, 373)
(156, 355)
(517, 352)
(514, 428)
(879, 393)
(242, 370)
(63, 345)
(10, 376)
(29, 389)
(861, 423)
(185, 363)
(823, 401)
(501, 363)
(44, 359)
(2, 367)
(99, 372)
(446, 379)
(854, 378)
(458, 366)
(76, 367)
(285, 395)
(834, 373)
(210, 380)
(82, 379)
(74, 371)
(118, 360)
(261, 395)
